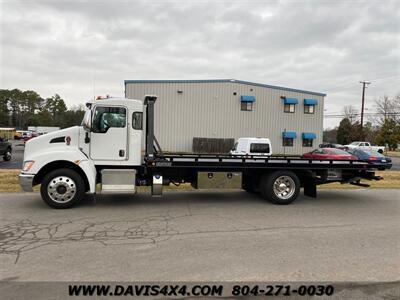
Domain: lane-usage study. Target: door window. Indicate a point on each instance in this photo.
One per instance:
(106, 117)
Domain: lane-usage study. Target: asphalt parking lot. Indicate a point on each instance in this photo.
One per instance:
(346, 235)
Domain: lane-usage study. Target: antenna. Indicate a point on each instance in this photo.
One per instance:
(94, 84)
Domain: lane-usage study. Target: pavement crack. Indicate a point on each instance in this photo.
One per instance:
(25, 235)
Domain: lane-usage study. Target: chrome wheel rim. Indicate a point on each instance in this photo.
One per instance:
(61, 189)
(284, 187)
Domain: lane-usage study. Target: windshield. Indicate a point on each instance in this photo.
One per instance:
(354, 143)
(234, 147)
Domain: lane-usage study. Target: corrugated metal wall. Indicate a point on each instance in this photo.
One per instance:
(212, 110)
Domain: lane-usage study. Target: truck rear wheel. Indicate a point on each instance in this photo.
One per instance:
(62, 188)
(280, 187)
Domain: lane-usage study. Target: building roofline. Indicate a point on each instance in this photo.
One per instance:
(225, 80)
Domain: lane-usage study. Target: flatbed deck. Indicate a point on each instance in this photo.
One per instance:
(227, 161)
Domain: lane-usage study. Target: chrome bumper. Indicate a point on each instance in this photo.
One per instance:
(25, 181)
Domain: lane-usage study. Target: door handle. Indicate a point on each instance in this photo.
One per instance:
(121, 153)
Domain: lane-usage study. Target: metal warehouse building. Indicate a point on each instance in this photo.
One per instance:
(292, 119)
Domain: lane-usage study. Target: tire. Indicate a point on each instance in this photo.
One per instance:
(7, 155)
(280, 187)
(62, 188)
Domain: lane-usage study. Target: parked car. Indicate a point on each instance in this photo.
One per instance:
(365, 146)
(331, 145)
(5, 149)
(373, 157)
(329, 153)
(29, 138)
(252, 146)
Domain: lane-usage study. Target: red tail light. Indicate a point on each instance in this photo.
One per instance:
(372, 158)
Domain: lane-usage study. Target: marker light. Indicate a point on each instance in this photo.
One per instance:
(27, 165)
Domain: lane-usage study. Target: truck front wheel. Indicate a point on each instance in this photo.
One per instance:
(62, 188)
(280, 187)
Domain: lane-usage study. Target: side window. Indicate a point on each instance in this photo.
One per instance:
(287, 142)
(289, 108)
(259, 148)
(309, 109)
(307, 142)
(137, 120)
(106, 117)
(246, 106)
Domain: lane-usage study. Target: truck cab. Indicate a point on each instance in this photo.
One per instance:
(70, 162)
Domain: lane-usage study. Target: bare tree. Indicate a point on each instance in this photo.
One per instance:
(350, 112)
(386, 108)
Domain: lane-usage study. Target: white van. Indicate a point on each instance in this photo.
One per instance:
(252, 146)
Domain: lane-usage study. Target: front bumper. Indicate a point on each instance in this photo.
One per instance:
(25, 181)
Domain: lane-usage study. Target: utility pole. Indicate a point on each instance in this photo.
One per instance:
(364, 83)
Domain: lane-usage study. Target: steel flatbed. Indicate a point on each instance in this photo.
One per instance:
(226, 161)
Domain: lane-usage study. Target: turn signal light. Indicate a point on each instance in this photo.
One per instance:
(27, 165)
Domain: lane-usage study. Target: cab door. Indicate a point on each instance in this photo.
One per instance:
(109, 133)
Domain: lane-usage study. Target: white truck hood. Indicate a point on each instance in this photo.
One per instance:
(68, 137)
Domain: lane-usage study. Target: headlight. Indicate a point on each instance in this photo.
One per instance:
(27, 165)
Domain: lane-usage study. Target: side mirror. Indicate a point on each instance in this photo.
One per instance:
(87, 121)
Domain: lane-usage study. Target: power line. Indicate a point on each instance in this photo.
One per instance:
(338, 87)
(365, 114)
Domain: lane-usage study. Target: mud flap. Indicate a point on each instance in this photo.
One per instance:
(310, 188)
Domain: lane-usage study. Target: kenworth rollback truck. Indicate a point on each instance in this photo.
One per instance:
(105, 155)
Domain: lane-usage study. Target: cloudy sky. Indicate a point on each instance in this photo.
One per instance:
(82, 48)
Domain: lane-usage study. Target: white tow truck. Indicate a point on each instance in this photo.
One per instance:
(106, 150)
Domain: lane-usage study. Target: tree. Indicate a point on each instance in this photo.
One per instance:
(350, 112)
(387, 108)
(344, 132)
(389, 134)
(27, 108)
(329, 135)
(4, 111)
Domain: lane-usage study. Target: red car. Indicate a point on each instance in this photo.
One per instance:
(329, 153)
(29, 138)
